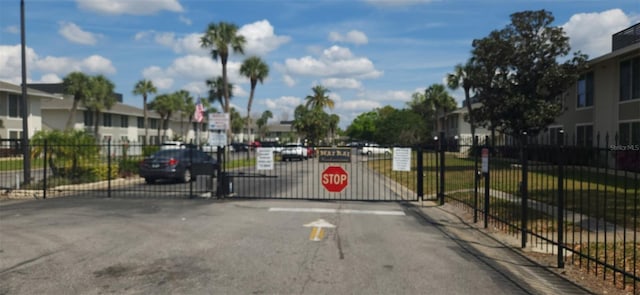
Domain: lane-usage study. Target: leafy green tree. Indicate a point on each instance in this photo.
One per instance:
(460, 78)
(216, 91)
(256, 70)
(363, 127)
(403, 127)
(311, 123)
(262, 122)
(101, 98)
(438, 97)
(76, 84)
(319, 98)
(219, 37)
(74, 146)
(187, 108)
(425, 109)
(237, 122)
(520, 79)
(165, 105)
(145, 87)
(333, 126)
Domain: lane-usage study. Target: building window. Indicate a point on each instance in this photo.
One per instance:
(15, 110)
(555, 136)
(585, 90)
(629, 133)
(140, 122)
(15, 134)
(141, 139)
(584, 135)
(630, 79)
(124, 121)
(106, 120)
(153, 123)
(88, 118)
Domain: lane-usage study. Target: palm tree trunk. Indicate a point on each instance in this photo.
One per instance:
(96, 125)
(72, 115)
(146, 123)
(253, 89)
(469, 108)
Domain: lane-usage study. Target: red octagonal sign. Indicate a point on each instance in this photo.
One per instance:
(334, 179)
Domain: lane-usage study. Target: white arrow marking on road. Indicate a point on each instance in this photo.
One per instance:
(317, 231)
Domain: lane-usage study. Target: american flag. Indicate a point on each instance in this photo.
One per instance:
(198, 115)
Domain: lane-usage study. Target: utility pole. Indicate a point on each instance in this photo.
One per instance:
(26, 157)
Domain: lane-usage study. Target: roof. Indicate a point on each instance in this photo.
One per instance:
(17, 89)
(58, 88)
(118, 108)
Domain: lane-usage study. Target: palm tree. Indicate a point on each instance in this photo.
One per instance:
(165, 105)
(461, 78)
(333, 126)
(319, 98)
(256, 70)
(262, 121)
(145, 87)
(216, 91)
(219, 37)
(77, 85)
(438, 96)
(101, 99)
(186, 101)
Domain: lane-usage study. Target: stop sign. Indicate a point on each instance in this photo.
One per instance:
(334, 179)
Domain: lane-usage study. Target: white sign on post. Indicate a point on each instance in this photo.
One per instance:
(218, 138)
(485, 160)
(218, 121)
(401, 159)
(264, 159)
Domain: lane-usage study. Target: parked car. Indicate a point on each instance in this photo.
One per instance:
(173, 164)
(173, 145)
(293, 151)
(311, 152)
(375, 149)
(238, 147)
(273, 145)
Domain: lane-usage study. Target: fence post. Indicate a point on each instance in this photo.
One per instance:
(420, 175)
(486, 186)
(442, 170)
(191, 171)
(109, 168)
(44, 173)
(524, 190)
(476, 178)
(219, 173)
(561, 202)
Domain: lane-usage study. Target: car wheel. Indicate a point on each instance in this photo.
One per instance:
(149, 180)
(186, 177)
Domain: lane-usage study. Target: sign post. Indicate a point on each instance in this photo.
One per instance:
(334, 179)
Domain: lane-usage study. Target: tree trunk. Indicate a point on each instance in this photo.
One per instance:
(96, 125)
(146, 123)
(72, 115)
(469, 110)
(253, 89)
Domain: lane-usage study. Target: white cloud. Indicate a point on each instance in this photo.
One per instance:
(189, 44)
(289, 80)
(75, 34)
(354, 36)
(591, 32)
(94, 64)
(387, 96)
(334, 62)
(50, 67)
(284, 104)
(50, 78)
(397, 2)
(261, 38)
(185, 20)
(158, 76)
(12, 29)
(137, 7)
(360, 105)
(347, 83)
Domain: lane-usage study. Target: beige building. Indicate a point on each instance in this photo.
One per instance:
(606, 98)
(11, 110)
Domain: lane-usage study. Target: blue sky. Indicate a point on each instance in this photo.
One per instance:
(368, 53)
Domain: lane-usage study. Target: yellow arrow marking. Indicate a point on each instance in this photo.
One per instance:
(317, 234)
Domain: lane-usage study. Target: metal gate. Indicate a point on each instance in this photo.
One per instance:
(336, 173)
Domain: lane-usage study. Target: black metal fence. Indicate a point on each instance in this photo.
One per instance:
(580, 203)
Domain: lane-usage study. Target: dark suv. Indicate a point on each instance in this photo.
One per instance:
(174, 164)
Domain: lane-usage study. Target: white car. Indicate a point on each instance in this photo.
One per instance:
(293, 151)
(375, 149)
